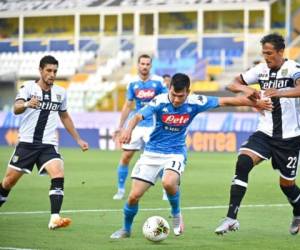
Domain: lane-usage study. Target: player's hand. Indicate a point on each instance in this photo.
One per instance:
(264, 104)
(253, 95)
(125, 136)
(34, 102)
(271, 93)
(83, 145)
(116, 135)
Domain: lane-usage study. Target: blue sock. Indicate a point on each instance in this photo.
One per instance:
(122, 175)
(129, 214)
(174, 202)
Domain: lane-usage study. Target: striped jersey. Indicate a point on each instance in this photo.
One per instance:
(142, 92)
(39, 125)
(171, 123)
(284, 121)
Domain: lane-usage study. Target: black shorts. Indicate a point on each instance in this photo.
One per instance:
(28, 154)
(283, 152)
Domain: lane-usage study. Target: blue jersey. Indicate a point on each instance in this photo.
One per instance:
(143, 92)
(171, 123)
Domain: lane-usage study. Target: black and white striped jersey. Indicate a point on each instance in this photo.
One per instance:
(39, 125)
(284, 121)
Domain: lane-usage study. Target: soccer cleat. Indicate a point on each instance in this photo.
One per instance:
(178, 225)
(59, 222)
(295, 225)
(165, 196)
(121, 233)
(119, 195)
(228, 224)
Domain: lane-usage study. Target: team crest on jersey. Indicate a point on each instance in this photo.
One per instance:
(145, 93)
(176, 119)
(284, 72)
(46, 97)
(15, 158)
(58, 97)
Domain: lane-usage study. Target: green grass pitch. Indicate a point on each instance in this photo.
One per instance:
(91, 182)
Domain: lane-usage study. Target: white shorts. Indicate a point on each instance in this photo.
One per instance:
(140, 135)
(148, 167)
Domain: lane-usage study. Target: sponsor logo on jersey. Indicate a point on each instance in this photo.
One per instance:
(276, 83)
(263, 75)
(145, 93)
(176, 119)
(52, 106)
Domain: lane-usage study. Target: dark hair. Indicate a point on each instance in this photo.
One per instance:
(48, 60)
(166, 75)
(144, 56)
(275, 39)
(180, 82)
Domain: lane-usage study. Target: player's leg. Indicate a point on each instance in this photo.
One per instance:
(123, 173)
(143, 176)
(129, 149)
(146, 137)
(21, 161)
(130, 209)
(252, 153)
(50, 162)
(285, 159)
(10, 179)
(245, 163)
(164, 196)
(173, 170)
(292, 192)
(171, 185)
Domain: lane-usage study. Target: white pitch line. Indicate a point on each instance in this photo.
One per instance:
(13, 248)
(143, 209)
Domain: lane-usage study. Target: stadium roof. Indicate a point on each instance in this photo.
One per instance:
(39, 5)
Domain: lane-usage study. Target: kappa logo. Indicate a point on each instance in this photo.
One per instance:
(145, 93)
(176, 119)
(165, 109)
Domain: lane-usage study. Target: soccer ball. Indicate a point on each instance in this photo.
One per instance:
(156, 229)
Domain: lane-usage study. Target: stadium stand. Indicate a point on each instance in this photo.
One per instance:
(24, 65)
(33, 5)
(84, 95)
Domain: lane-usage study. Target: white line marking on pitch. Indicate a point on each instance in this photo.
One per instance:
(13, 248)
(143, 209)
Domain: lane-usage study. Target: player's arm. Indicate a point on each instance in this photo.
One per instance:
(69, 125)
(21, 105)
(126, 133)
(127, 107)
(264, 104)
(289, 93)
(238, 86)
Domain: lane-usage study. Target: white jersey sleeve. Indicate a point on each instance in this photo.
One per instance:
(63, 106)
(24, 92)
(251, 76)
(295, 71)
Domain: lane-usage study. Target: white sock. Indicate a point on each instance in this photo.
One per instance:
(54, 217)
